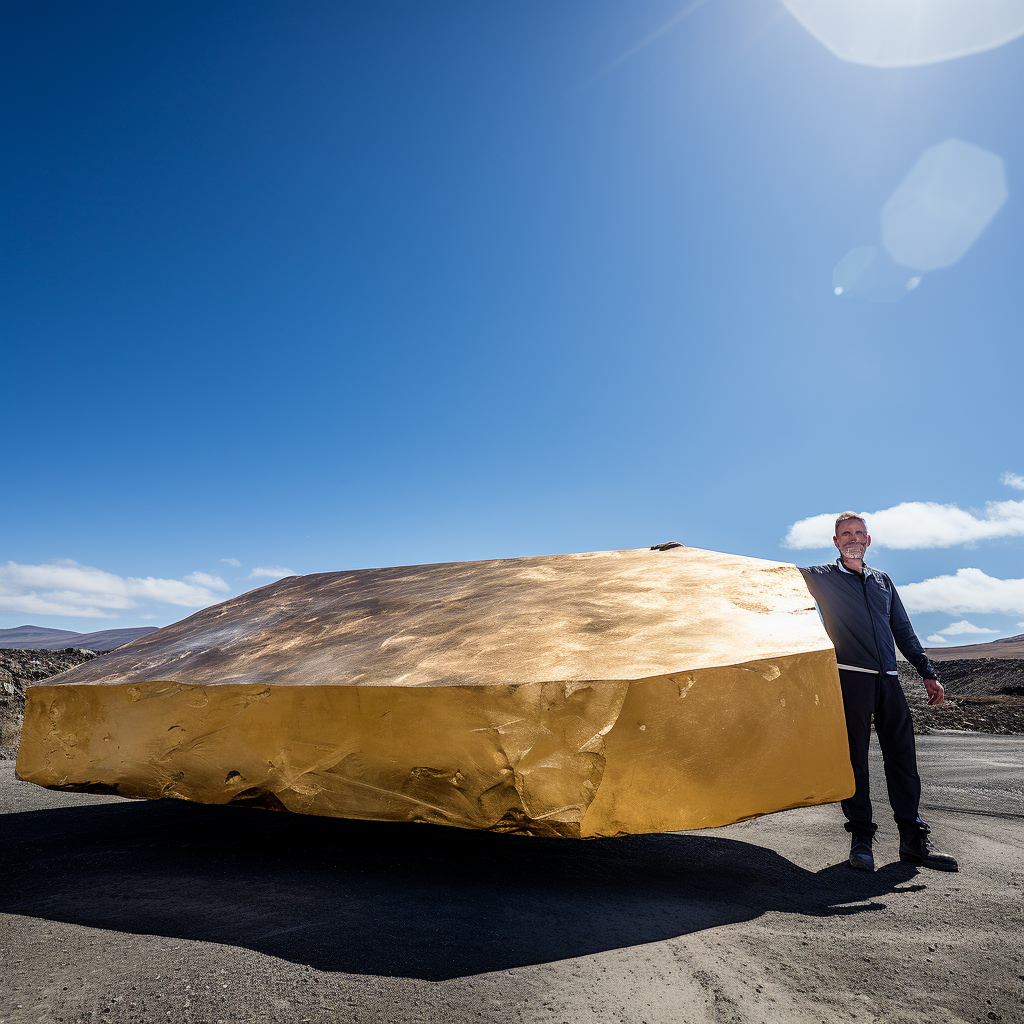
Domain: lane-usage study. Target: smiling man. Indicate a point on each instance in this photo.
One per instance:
(866, 621)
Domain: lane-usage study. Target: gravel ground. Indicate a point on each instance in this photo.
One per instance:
(132, 911)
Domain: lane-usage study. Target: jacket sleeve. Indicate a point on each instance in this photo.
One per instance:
(906, 639)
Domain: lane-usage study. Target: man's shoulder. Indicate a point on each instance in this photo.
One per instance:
(820, 570)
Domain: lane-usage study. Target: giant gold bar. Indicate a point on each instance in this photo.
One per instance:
(577, 695)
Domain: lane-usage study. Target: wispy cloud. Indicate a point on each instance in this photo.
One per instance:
(646, 41)
(913, 525)
(970, 591)
(233, 562)
(936, 639)
(271, 572)
(963, 626)
(1013, 480)
(64, 587)
(208, 580)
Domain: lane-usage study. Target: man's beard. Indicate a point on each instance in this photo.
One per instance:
(854, 551)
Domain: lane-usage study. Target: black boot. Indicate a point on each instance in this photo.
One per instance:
(861, 857)
(914, 849)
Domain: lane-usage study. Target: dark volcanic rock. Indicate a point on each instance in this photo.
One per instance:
(982, 695)
(20, 668)
(983, 677)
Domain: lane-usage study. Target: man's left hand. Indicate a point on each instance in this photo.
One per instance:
(936, 694)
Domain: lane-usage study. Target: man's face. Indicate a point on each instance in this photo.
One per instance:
(852, 538)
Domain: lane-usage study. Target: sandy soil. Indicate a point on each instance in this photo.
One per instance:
(116, 910)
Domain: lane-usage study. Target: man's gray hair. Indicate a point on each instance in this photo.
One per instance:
(843, 516)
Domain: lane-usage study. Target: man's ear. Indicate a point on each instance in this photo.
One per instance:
(835, 540)
(867, 543)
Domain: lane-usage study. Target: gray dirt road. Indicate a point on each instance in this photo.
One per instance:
(122, 911)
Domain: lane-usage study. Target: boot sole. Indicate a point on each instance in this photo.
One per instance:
(917, 862)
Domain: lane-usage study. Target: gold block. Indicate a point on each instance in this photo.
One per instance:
(568, 695)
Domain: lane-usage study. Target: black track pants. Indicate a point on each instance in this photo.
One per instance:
(880, 695)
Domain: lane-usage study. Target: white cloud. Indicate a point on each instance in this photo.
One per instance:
(970, 591)
(963, 626)
(912, 525)
(233, 562)
(272, 572)
(205, 579)
(52, 604)
(936, 639)
(813, 532)
(64, 587)
(1013, 480)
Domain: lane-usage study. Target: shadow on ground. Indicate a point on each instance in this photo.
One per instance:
(408, 900)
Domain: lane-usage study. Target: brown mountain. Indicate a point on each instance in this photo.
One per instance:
(1008, 647)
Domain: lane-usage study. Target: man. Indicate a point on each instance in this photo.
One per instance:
(865, 619)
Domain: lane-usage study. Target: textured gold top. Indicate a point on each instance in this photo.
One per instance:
(618, 615)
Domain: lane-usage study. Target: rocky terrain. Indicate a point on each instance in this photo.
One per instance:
(18, 669)
(982, 695)
(983, 677)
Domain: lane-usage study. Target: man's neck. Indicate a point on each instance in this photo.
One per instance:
(854, 564)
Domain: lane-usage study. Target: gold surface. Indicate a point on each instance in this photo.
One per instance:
(572, 695)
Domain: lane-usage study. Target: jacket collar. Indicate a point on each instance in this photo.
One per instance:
(868, 571)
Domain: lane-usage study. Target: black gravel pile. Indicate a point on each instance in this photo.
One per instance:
(982, 695)
(18, 669)
(983, 677)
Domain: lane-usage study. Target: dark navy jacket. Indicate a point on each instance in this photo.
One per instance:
(863, 616)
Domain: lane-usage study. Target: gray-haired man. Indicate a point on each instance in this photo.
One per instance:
(866, 621)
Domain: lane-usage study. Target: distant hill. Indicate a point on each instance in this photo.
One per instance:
(1008, 647)
(39, 638)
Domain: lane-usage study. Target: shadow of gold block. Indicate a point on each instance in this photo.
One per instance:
(568, 695)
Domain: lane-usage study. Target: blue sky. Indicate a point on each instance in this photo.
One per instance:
(313, 286)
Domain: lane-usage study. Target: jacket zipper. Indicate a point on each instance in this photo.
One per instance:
(871, 619)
